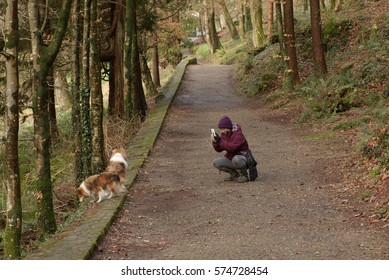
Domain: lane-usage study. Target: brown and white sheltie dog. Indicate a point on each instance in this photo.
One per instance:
(104, 185)
(118, 164)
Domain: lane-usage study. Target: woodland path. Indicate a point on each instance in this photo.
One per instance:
(180, 207)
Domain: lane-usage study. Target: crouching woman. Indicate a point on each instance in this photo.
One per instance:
(234, 143)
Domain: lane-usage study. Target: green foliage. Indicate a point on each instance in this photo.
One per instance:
(202, 51)
(365, 195)
(336, 33)
(327, 96)
(353, 123)
(234, 55)
(258, 74)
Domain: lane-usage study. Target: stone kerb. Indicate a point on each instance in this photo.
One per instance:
(79, 240)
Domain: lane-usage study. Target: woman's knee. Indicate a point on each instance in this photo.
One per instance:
(239, 161)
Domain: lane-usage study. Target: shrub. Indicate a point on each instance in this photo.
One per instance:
(326, 96)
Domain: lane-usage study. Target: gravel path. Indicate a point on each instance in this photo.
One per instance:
(180, 207)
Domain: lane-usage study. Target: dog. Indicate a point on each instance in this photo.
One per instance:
(118, 164)
(104, 186)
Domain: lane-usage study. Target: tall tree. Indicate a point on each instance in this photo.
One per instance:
(291, 41)
(323, 4)
(150, 87)
(230, 23)
(114, 55)
(320, 65)
(97, 108)
(280, 31)
(13, 229)
(136, 101)
(155, 63)
(256, 19)
(46, 33)
(270, 19)
(76, 85)
(242, 18)
(86, 128)
(155, 57)
(212, 36)
(54, 131)
(43, 58)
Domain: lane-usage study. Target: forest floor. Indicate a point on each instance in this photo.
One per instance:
(180, 207)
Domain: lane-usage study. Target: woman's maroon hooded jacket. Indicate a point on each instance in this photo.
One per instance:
(234, 143)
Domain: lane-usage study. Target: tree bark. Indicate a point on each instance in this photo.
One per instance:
(97, 108)
(230, 23)
(291, 41)
(43, 58)
(270, 18)
(151, 90)
(116, 75)
(155, 64)
(242, 20)
(320, 65)
(213, 39)
(256, 19)
(13, 229)
(136, 102)
(76, 85)
(52, 111)
(280, 30)
(323, 4)
(86, 128)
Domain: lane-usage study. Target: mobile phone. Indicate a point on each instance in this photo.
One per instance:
(215, 135)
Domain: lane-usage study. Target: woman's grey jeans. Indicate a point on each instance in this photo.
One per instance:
(238, 162)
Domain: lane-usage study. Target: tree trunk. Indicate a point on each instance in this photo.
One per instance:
(230, 23)
(242, 20)
(86, 129)
(43, 59)
(13, 229)
(256, 19)
(97, 108)
(143, 43)
(213, 41)
(136, 98)
(116, 75)
(76, 85)
(151, 90)
(155, 65)
(270, 19)
(155, 57)
(249, 25)
(323, 4)
(52, 111)
(291, 41)
(317, 41)
(280, 30)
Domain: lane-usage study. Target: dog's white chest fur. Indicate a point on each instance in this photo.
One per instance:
(119, 158)
(86, 190)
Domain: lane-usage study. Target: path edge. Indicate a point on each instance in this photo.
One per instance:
(79, 240)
